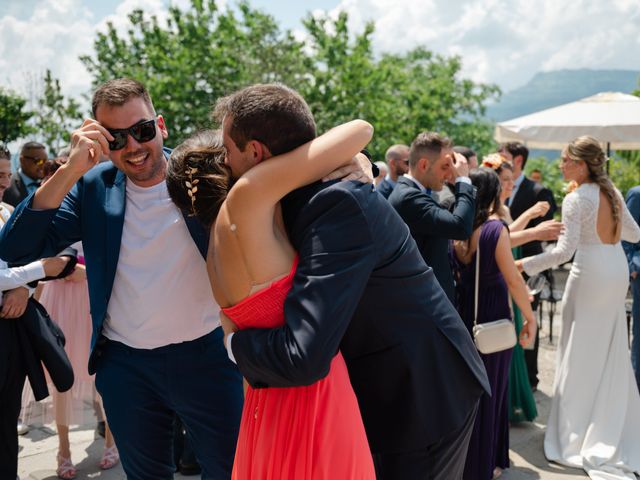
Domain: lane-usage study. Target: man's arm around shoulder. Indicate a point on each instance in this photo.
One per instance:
(336, 257)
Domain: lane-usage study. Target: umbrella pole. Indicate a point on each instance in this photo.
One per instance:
(608, 153)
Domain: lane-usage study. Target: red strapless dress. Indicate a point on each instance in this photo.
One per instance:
(313, 432)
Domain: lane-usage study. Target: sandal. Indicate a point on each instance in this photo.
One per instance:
(66, 470)
(110, 458)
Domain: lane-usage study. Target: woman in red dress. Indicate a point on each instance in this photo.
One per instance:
(310, 432)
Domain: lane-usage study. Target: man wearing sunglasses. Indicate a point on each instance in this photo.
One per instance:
(33, 155)
(156, 346)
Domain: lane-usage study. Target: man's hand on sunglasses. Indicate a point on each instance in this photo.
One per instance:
(88, 144)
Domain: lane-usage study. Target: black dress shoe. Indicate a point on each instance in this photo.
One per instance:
(188, 469)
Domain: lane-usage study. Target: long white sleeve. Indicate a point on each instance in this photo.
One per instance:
(19, 276)
(567, 242)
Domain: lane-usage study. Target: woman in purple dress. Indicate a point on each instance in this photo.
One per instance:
(489, 446)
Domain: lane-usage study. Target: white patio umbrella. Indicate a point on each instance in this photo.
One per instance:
(612, 118)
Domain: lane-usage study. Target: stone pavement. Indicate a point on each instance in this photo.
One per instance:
(39, 446)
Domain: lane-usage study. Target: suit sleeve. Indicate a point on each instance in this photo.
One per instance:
(33, 234)
(429, 218)
(630, 223)
(545, 195)
(336, 258)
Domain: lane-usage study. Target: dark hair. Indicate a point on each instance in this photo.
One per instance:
(487, 182)
(51, 166)
(4, 151)
(427, 144)
(535, 170)
(119, 91)
(466, 152)
(197, 179)
(272, 114)
(31, 146)
(515, 149)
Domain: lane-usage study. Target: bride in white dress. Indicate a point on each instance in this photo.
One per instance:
(594, 422)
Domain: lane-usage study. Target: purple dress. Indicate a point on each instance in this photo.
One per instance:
(489, 445)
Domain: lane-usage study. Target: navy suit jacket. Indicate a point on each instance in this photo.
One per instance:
(632, 250)
(385, 188)
(528, 194)
(361, 286)
(93, 212)
(432, 225)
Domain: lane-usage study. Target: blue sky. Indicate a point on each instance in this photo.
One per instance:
(500, 41)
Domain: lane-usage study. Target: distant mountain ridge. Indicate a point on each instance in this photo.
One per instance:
(550, 89)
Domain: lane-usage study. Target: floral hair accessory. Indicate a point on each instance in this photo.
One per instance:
(494, 161)
(192, 187)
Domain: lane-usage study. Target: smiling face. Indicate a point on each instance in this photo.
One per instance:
(143, 163)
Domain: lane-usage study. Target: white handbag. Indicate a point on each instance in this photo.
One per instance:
(490, 337)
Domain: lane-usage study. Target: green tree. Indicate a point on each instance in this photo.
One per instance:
(14, 117)
(196, 56)
(55, 116)
(400, 94)
(201, 53)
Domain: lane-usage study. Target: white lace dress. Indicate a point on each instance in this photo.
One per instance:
(594, 422)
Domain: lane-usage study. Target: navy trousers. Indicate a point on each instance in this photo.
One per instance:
(141, 390)
(635, 329)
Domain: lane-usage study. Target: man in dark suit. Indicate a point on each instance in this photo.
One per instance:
(431, 162)
(33, 155)
(397, 158)
(525, 195)
(411, 361)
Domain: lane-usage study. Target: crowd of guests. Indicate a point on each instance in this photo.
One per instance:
(301, 262)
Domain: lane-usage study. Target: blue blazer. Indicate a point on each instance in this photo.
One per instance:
(92, 212)
(632, 250)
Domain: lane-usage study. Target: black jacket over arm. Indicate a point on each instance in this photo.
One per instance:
(432, 226)
(361, 285)
(528, 194)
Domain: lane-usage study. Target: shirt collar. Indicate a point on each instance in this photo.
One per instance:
(420, 186)
(388, 179)
(26, 180)
(518, 181)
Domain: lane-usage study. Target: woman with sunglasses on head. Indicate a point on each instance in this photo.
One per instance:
(594, 421)
(310, 432)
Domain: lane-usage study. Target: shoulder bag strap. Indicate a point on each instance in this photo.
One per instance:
(475, 296)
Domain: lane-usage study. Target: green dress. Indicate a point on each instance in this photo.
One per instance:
(522, 405)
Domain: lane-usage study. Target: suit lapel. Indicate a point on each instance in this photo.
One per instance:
(114, 208)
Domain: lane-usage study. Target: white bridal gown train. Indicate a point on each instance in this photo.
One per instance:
(594, 422)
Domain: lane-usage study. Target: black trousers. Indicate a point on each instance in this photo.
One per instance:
(444, 460)
(12, 377)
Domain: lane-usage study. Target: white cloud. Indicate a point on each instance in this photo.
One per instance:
(508, 41)
(501, 41)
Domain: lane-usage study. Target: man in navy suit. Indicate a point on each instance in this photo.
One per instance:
(431, 162)
(156, 345)
(633, 256)
(411, 360)
(397, 158)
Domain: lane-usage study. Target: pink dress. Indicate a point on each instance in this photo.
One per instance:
(312, 432)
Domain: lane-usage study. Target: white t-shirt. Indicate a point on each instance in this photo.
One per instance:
(161, 293)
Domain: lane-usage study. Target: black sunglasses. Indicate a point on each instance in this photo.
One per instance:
(142, 132)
